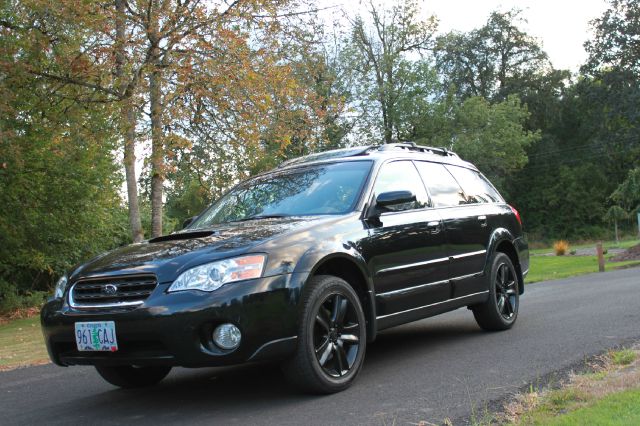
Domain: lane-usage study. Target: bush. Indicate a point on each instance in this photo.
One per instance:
(560, 247)
(572, 252)
(11, 299)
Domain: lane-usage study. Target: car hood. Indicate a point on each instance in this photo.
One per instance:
(170, 255)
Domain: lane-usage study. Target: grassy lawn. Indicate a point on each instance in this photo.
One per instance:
(625, 244)
(621, 408)
(543, 268)
(21, 343)
(609, 396)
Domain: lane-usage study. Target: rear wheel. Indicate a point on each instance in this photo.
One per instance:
(128, 376)
(500, 311)
(332, 337)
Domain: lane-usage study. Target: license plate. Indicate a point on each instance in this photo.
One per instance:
(96, 336)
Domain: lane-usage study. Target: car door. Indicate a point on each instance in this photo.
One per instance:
(405, 248)
(466, 226)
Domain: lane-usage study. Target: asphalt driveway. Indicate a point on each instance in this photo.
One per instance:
(444, 367)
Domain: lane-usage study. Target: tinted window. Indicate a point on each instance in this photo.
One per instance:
(401, 176)
(324, 189)
(443, 188)
(476, 188)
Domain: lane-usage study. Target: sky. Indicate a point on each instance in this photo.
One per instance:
(562, 26)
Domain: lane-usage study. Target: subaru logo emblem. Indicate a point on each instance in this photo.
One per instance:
(110, 289)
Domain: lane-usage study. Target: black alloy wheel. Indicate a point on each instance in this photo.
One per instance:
(500, 311)
(336, 335)
(332, 337)
(506, 292)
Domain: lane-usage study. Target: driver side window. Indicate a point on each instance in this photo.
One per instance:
(401, 176)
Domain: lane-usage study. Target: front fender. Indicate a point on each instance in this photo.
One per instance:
(317, 257)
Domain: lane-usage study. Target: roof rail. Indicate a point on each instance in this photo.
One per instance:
(411, 146)
(326, 155)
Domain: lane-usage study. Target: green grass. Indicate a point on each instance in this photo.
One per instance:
(623, 357)
(621, 408)
(625, 244)
(21, 343)
(543, 268)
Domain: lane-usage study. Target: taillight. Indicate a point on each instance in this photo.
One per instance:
(517, 215)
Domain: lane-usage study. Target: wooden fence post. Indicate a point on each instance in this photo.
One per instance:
(600, 253)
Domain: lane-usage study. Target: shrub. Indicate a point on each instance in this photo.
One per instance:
(572, 252)
(560, 247)
(11, 299)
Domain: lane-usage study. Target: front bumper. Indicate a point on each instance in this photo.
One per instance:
(175, 328)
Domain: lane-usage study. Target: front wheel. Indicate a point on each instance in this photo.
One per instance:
(128, 376)
(332, 337)
(500, 311)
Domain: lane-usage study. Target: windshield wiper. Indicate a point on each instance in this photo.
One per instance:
(263, 216)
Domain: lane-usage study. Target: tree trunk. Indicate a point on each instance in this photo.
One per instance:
(128, 121)
(615, 226)
(157, 151)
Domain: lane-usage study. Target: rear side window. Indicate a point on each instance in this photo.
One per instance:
(476, 187)
(401, 176)
(444, 189)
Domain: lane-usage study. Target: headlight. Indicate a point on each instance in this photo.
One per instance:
(212, 276)
(61, 286)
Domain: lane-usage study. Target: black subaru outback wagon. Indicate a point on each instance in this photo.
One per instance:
(304, 264)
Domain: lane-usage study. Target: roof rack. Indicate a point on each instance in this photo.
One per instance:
(326, 155)
(411, 146)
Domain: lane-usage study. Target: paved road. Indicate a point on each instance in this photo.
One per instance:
(428, 370)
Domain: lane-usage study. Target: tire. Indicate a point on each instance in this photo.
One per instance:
(332, 338)
(500, 311)
(128, 377)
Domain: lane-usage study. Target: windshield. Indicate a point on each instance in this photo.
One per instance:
(314, 190)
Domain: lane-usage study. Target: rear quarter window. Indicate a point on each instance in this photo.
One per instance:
(476, 187)
(443, 188)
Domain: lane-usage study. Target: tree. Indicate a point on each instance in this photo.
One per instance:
(492, 137)
(614, 63)
(492, 61)
(615, 44)
(102, 61)
(615, 214)
(628, 192)
(381, 54)
(59, 182)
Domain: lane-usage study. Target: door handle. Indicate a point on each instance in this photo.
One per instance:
(483, 220)
(434, 226)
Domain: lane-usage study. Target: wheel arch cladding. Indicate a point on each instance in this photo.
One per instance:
(347, 269)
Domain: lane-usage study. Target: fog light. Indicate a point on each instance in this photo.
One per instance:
(227, 336)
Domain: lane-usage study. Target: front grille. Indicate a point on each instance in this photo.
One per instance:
(112, 292)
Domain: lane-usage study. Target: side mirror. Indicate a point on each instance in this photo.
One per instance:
(189, 221)
(394, 198)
